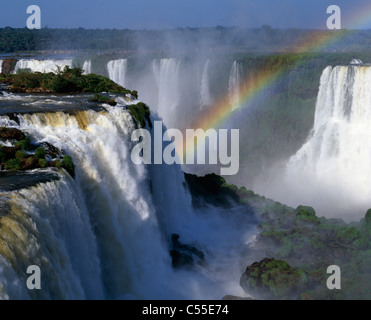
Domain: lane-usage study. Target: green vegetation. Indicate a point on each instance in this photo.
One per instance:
(20, 154)
(211, 189)
(300, 245)
(24, 144)
(140, 112)
(265, 39)
(64, 81)
(67, 164)
(312, 244)
(43, 163)
(274, 279)
(103, 99)
(13, 164)
(40, 153)
(16, 158)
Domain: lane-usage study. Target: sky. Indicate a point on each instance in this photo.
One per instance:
(159, 14)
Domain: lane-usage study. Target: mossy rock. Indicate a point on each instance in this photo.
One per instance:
(140, 112)
(273, 279)
(30, 163)
(103, 99)
(305, 211)
(306, 217)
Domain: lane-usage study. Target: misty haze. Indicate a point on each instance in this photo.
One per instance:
(102, 226)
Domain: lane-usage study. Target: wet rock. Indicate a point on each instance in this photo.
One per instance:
(184, 255)
(11, 134)
(8, 66)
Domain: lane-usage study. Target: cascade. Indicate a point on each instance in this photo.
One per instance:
(332, 170)
(87, 67)
(42, 65)
(117, 71)
(234, 85)
(205, 88)
(105, 233)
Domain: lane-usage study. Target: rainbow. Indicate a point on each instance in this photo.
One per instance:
(259, 80)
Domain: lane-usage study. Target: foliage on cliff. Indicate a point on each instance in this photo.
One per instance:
(140, 112)
(63, 81)
(295, 245)
(311, 244)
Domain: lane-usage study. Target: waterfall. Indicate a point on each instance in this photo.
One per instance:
(168, 76)
(48, 226)
(332, 170)
(234, 85)
(42, 65)
(1, 66)
(205, 88)
(104, 234)
(117, 71)
(87, 67)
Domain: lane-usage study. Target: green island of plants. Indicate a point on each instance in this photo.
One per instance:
(68, 80)
(24, 155)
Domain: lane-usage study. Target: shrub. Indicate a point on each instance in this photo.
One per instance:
(40, 153)
(58, 164)
(67, 164)
(13, 164)
(104, 99)
(140, 112)
(20, 154)
(30, 161)
(24, 144)
(43, 163)
(134, 93)
(2, 155)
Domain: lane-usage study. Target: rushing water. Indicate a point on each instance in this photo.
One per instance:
(105, 234)
(332, 169)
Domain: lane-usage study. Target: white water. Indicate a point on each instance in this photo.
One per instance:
(42, 65)
(234, 85)
(117, 71)
(105, 234)
(332, 170)
(87, 67)
(167, 74)
(205, 87)
(1, 66)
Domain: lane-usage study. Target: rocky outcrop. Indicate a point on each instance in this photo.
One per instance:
(184, 255)
(8, 66)
(11, 134)
(272, 279)
(24, 155)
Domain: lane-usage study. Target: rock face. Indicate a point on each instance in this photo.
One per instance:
(8, 66)
(184, 255)
(272, 279)
(11, 134)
